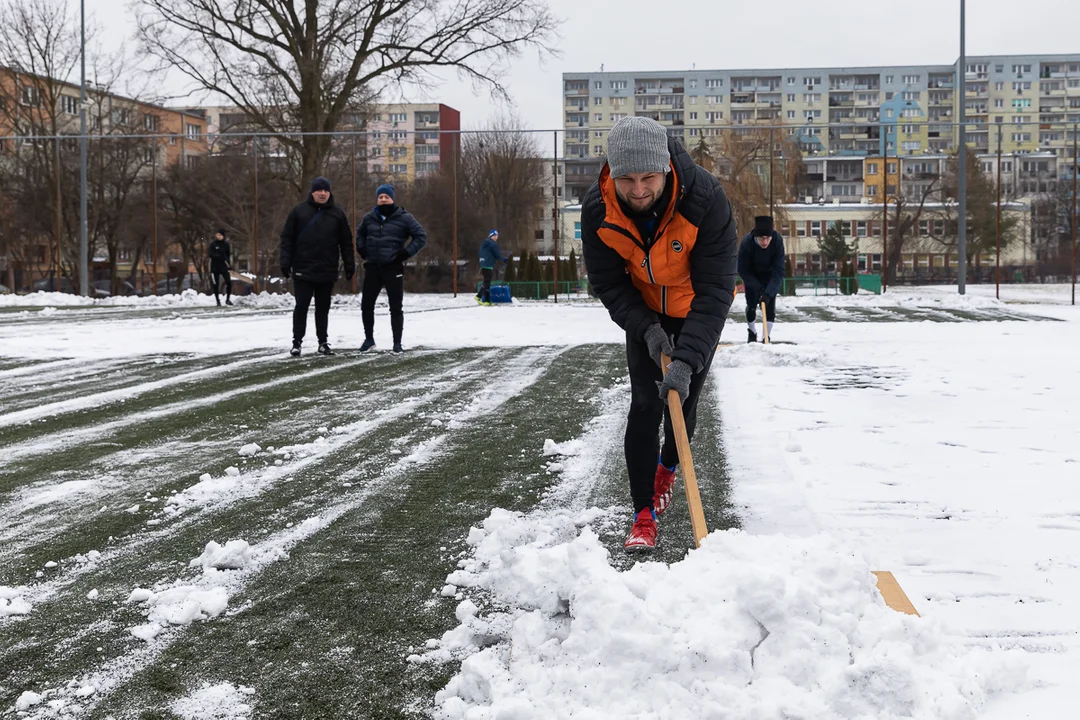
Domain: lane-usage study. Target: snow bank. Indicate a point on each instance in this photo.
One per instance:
(184, 602)
(12, 601)
(745, 627)
(215, 702)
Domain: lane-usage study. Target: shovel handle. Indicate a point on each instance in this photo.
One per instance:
(686, 462)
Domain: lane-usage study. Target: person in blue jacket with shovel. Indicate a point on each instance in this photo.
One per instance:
(489, 255)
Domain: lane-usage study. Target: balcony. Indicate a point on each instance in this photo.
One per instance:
(742, 99)
(428, 125)
(576, 92)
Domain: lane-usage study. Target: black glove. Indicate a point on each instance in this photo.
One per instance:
(402, 256)
(677, 378)
(285, 272)
(658, 342)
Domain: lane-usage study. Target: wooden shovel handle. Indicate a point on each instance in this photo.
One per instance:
(686, 461)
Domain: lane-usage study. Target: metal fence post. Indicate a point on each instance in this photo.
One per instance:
(555, 210)
(457, 143)
(997, 228)
(255, 220)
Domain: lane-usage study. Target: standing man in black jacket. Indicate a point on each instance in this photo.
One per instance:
(385, 238)
(220, 254)
(761, 267)
(316, 238)
(659, 243)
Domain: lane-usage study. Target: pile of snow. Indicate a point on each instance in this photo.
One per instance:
(215, 702)
(28, 700)
(184, 602)
(745, 627)
(250, 450)
(12, 601)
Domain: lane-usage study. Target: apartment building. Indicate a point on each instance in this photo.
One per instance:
(1029, 101)
(398, 141)
(34, 107)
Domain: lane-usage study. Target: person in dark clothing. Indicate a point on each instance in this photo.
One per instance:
(220, 256)
(385, 238)
(315, 241)
(489, 255)
(660, 247)
(761, 267)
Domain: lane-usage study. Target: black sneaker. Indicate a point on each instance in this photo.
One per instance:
(324, 349)
(368, 344)
(228, 302)
(751, 336)
(219, 303)
(295, 352)
(398, 348)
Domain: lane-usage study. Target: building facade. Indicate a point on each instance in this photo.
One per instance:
(1033, 100)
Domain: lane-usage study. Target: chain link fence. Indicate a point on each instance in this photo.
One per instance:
(881, 197)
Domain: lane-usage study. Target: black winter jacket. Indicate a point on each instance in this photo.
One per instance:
(220, 253)
(762, 270)
(315, 239)
(379, 241)
(712, 262)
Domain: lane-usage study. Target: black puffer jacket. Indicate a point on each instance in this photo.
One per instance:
(379, 241)
(315, 239)
(220, 254)
(712, 262)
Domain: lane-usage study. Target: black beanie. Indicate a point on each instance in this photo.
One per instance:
(763, 226)
(221, 231)
(320, 183)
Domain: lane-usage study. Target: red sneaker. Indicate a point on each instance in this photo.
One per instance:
(642, 536)
(662, 484)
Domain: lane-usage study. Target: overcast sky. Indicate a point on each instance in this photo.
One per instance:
(675, 34)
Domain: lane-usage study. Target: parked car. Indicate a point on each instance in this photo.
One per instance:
(103, 288)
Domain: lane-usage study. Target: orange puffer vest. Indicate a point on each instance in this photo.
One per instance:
(661, 271)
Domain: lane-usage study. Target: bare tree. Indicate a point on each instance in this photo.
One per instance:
(743, 167)
(502, 175)
(305, 66)
(907, 212)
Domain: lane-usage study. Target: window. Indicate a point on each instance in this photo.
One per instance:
(398, 117)
(397, 152)
(912, 79)
(999, 102)
(871, 168)
(712, 100)
(999, 86)
(871, 190)
(621, 84)
(714, 116)
(577, 231)
(860, 228)
(693, 84)
(924, 228)
(1021, 103)
(598, 101)
(693, 116)
(800, 229)
(815, 228)
(69, 104)
(599, 117)
(714, 83)
(791, 114)
(399, 168)
(910, 145)
(888, 79)
(890, 168)
(194, 131)
(810, 82)
(598, 85)
(811, 98)
(1021, 137)
(539, 234)
(888, 112)
(150, 122)
(1006, 166)
(616, 117)
(791, 81)
(999, 68)
(888, 96)
(397, 136)
(791, 97)
(811, 114)
(598, 133)
(911, 94)
(911, 112)
(693, 99)
(909, 129)
(598, 149)
(30, 96)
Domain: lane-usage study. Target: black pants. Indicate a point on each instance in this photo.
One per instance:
(377, 277)
(485, 291)
(642, 443)
(753, 301)
(219, 277)
(304, 291)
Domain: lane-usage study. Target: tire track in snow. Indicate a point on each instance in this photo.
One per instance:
(514, 377)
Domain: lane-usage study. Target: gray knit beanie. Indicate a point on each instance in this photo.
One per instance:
(638, 144)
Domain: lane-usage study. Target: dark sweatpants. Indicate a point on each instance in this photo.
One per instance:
(642, 443)
(753, 302)
(376, 277)
(485, 291)
(218, 278)
(304, 291)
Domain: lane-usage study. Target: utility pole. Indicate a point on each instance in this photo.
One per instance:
(961, 213)
(84, 247)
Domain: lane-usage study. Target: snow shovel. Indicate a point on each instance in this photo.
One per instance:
(764, 322)
(686, 461)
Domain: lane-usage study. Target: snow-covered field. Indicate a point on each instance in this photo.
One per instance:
(192, 522)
